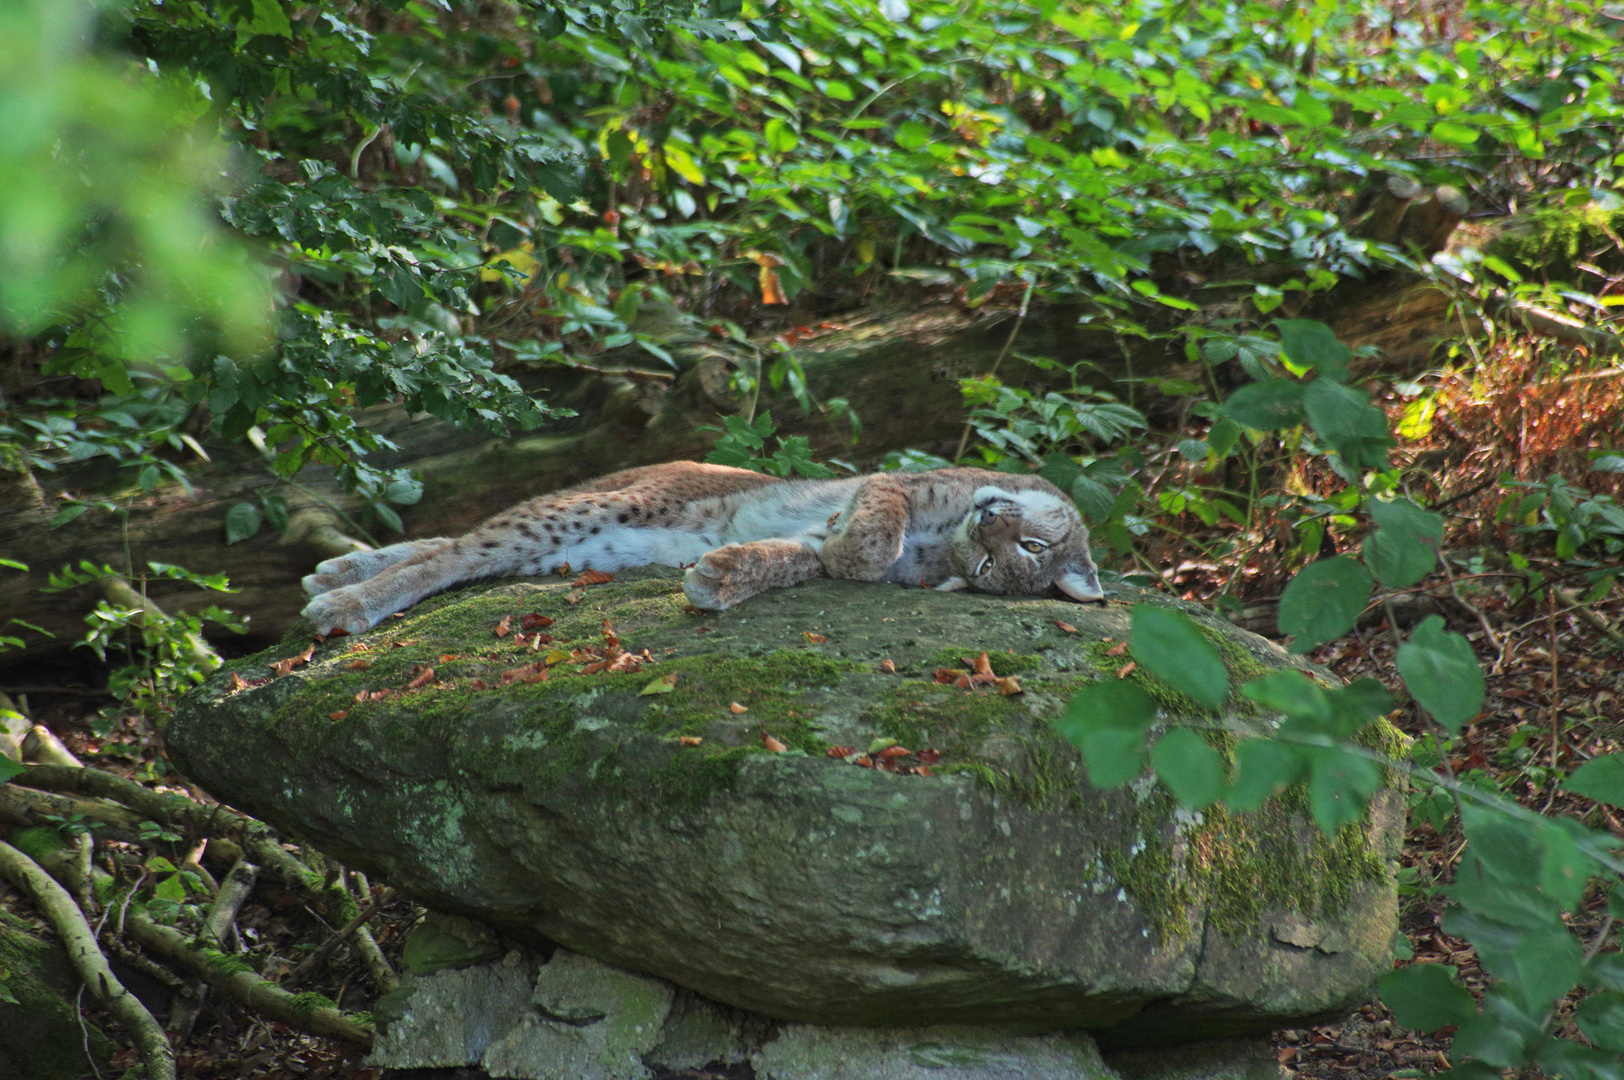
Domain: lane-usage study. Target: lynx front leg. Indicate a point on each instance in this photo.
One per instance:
(736, 572)
(867, 536)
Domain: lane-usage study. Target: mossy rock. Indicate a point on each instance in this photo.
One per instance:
(649, 818)
(1550, 243)
(41, 1036)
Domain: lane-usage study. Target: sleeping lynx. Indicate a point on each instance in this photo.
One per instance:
(743, 532)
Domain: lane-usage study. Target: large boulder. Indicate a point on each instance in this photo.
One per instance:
(663, 798)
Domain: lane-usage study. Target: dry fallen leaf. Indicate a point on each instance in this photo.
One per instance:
(813, 639)
(556, 656)
(892, 752)
(840, 751)
(574, 597)
(479, 684)
(359, 646)
(772, 744)
(338, 714)
(372, 695)
(1066, 626)
(525, 673)
(663, 685)
(534, 621)
(949, 676)
(865, 761)
(1118, 649)
(689, 740)
(983, 674)
(1010, 685)
(402, 643)
(888, 667)
(923, 770)
(592, 577)
(282, 667)
(735, 708)
(929, 757)
(564, 571)
(1126, 669)
(609, 636)
(360, 663)
(237, 682)
(447, 657)
(502, 627)
(422, 678)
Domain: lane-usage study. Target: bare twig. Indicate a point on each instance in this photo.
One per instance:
(325, 949)
(1009, 342)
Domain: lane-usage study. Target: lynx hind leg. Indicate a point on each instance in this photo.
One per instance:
(868, 534)
(358, 566)
(734, 573)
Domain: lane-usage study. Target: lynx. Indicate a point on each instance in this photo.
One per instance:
(740, 533)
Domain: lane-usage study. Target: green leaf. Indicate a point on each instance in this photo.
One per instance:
(1222, 437)
(1171, 646)
(1106, 720)
(1292, 693)
(1323, 601)
(1601, 1018)
(1267, 405)
(1404, 547)
(1262, 768)
(242, 521)
(1442, 673)
(9, 768)
(1189, 766)
(1309, 343)
(1426, 997)
(1345, 418)
(1340, 784)
(1600, 778)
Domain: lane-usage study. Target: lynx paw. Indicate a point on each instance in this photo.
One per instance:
(712, 583)
(339, 609)
(358, 566)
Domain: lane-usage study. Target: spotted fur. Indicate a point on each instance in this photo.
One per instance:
(741, 533)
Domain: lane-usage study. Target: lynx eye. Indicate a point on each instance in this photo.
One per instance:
(983, 566)
(1034, 546)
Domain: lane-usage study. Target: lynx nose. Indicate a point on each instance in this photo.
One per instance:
(988, 515)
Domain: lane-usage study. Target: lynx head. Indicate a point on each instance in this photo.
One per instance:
(1023, 542)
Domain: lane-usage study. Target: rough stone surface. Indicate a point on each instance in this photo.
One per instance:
(805, 1052)
(999, 890)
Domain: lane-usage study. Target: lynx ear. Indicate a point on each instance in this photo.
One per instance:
(1081, 582)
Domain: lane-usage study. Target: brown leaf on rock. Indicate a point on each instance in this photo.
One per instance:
(923, 770)
(948, 676)
(524, 673)
(1010, 685)
(840, 751)
(983, 674)
(963, 681)
(662, 685)
(338, 714)
(865, 761)
(502, 627)
(283, 667)
(689, 740)
(610, 638)
(888, 667)
(735, 708)
(423, 677)
(772, 744)
(359, 646)
(574, 597)
(373, 695)
(1118, 649)
(929, 757)
(1126, 669)
(479, 684)
(563, 571)
(1067, 627)
(236, 683)
(592, 577)
(401, 643)
(360, 663)
(534, 621)
(813, 639)
(890, 753)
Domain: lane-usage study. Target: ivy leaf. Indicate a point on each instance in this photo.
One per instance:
(1600, 778)
(1345, 418)
(242, 521)
(1322, 602)
(1309, 343)
(1404, 547)
(1106, 720)
(1442, 673)
(1426, 997)
(1172, 647)
(1267, 405)
(1189, 766)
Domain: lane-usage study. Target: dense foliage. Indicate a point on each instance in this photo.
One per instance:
(242, 220)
